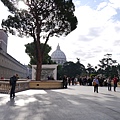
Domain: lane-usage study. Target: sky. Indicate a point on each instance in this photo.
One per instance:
(97, 33)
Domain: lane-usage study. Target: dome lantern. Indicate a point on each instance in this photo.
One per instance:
(58, 47)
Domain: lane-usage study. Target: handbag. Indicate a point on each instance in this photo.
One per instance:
(94, 83)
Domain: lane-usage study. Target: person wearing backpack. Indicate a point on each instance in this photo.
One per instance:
(13, 80)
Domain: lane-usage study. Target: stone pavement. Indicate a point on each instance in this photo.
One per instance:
(74, 103)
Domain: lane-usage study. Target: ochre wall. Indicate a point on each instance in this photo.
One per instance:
(45, 84)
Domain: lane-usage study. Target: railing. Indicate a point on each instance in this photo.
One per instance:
(20, 86)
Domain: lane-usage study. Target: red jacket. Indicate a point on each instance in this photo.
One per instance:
(115, 80)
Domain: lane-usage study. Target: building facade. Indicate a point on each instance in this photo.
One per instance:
(8, 65)
(58, 56)
(3, 41)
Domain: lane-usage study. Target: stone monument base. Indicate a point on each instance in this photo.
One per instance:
(46, 84)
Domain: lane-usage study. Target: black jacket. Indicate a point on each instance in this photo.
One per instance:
(13, 80)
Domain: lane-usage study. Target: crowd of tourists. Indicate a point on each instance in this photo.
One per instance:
(91, 81)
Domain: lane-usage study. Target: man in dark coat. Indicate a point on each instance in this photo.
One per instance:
(65, 81)
(13, 80)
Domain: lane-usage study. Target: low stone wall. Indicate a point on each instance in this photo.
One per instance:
(118, 84)
(4, 87)
(46, 84)
(22, 85)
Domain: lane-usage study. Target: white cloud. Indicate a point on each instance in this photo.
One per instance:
(4, 12)
(76, 3)
(16, 48)
(115, 3)
(95, 34)
(101, 5)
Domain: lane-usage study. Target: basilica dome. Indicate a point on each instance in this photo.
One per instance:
(58, 56)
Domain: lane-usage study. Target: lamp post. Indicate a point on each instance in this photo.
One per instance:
(118, 71)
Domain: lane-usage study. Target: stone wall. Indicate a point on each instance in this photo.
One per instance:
(10, 66)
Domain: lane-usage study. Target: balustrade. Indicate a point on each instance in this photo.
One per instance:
(20, 86)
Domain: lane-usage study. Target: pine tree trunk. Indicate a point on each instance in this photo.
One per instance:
(38, 70)
(39, 61)
(39, 66)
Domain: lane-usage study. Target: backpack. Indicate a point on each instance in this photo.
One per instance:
(11, 81)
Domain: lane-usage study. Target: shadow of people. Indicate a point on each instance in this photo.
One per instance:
(11, 102)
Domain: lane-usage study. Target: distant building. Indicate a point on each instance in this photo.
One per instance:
(3, 41)
(58, 56)
(29, 71)
(8, 65)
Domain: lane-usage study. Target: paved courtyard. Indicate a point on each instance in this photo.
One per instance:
(74, 103)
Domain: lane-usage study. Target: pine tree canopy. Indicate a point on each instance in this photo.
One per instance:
(53, 17)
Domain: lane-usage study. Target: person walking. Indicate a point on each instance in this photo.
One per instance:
(115, 80)
(95, 84)
(13, 80)
(72, 80)
(65, 81)
(69, 80)
(109, 80)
